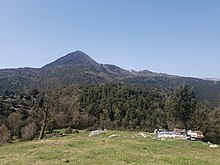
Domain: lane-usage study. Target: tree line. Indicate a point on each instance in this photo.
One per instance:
(104, 106)
(129, 107)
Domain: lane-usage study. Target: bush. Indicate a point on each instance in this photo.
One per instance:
(4, 134)
(29, 131)
(68, 130)
(14, 124)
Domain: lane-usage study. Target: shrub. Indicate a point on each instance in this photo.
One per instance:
(68, 130)
(4, 134)
(29, 131)
(14, 124)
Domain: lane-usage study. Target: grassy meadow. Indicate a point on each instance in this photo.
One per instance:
(128, 148)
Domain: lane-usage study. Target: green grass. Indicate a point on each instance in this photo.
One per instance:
(128, 148)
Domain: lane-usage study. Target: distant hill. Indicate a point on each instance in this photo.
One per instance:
(212, 79)
(77, 68)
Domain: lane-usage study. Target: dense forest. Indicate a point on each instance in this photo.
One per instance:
(101, 106)
(117, 106)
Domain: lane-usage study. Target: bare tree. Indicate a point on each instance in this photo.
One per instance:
(49, 107)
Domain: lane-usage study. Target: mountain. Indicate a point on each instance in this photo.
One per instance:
(77, 68)
(74, 58)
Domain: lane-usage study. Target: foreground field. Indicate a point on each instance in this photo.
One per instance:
(128, 148)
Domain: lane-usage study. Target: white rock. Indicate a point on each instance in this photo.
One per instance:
(213, 145)
(97, 132)
(113, 135)
(143, 134)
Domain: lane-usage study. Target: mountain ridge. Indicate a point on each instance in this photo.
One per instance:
(77, 68)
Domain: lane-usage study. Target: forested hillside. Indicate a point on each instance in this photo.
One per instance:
(77, 68)
(103, 106)
(75, 91)
(118, 106)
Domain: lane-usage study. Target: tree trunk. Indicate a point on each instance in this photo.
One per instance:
(43, 127)
(185, 125)
(157, 133)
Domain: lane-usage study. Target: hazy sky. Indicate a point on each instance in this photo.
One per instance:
(179, 37)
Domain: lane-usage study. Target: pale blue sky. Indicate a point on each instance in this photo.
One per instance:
(179, 37)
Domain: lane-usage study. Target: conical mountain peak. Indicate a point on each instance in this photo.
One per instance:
(74, 58)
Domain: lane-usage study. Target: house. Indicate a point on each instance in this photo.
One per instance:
(197, 135)
(162, 133)
(179, 134)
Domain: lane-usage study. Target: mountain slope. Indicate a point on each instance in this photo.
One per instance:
(77, 68)
(14, 80)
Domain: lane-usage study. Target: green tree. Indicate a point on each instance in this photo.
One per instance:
(213, 131)
(182, 105)
(14, 123)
